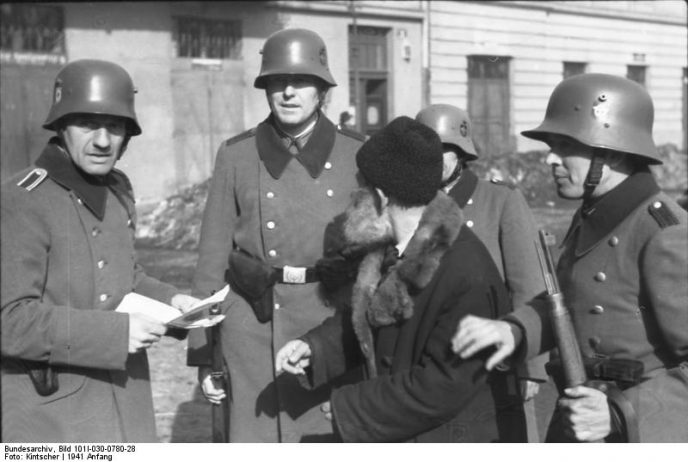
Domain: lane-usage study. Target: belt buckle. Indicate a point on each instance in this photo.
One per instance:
(293, 275)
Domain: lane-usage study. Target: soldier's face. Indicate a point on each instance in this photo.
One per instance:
(570, 162)
(293, 99)
(94, 142)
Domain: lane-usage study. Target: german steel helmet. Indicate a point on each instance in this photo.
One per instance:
(451, 124)
(90, 86)
(603, 111)
(294, 51)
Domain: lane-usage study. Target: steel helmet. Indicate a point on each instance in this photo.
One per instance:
(91, 86)
(451, 124)
(602, 111)
(294, 51)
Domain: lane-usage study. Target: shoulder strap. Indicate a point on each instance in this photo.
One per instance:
(33, 179)
(662, 214)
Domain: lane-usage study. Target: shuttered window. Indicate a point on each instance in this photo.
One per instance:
(31, 28)
(207, 38)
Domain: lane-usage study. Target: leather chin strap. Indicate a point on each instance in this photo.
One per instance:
(455, 174)
(593, 177)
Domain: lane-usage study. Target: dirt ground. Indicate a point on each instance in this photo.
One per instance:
(182, 414)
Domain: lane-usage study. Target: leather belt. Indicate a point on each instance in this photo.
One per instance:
(296, 275)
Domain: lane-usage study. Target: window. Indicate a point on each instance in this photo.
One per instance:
(368, 48)
(636, 73)
(573, 68)
(488, 67)
(31, 28)
(207, 38)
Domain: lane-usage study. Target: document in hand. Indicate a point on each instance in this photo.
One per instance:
(198, 316)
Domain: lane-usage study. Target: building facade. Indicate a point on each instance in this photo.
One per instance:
(194, 64)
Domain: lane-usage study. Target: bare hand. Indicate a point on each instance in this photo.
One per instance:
(529, 389)
(211, 387)
(293, 358)
(183, 302)
(143, 332)
(474, 334)
(585, 414)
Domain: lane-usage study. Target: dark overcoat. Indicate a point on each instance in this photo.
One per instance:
(499, 215)
(623, 273)
(68, 259)
(274, 206)
(417, 390)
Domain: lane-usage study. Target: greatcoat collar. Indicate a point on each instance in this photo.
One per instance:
(605, 214)
(464, 188)
(313, 156)
(91, 189)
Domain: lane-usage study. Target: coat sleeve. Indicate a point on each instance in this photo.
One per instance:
(399, 406)
(661, 402)
(33, 329)
(334, 350)
(517, 238)
(217, 232)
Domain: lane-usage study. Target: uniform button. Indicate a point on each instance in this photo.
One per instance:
(101, 264)
(103, 297)
(277, 306)
(600, 277)
(470, 201)
(328, 165)
(272, 253)
(613, 241)
(270, 195)
(329, 193)
(597, 309)
(657, 205)
(95, 231)
(594, 342)
(79, 201)
(270, 225)
(469, 223)
(129, 222)
(364, 348)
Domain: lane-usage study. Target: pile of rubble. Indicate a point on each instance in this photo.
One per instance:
(176, 222)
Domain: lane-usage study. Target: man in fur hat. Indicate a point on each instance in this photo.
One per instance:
(426, 271)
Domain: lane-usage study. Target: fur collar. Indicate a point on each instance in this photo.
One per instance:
(382, 296)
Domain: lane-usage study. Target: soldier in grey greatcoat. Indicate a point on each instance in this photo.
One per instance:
(73, 369)
(273, 192)
(622, 272)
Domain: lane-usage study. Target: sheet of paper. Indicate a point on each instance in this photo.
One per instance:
(198, 316)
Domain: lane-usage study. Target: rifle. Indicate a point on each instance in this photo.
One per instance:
(220, 413)
(605, 374)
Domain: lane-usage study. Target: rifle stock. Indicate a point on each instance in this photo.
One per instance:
(220, 413)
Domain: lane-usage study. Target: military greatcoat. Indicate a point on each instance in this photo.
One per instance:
(274, 206)
(68, 258)
(623, 273)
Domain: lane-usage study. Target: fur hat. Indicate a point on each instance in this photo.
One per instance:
(404, 160)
